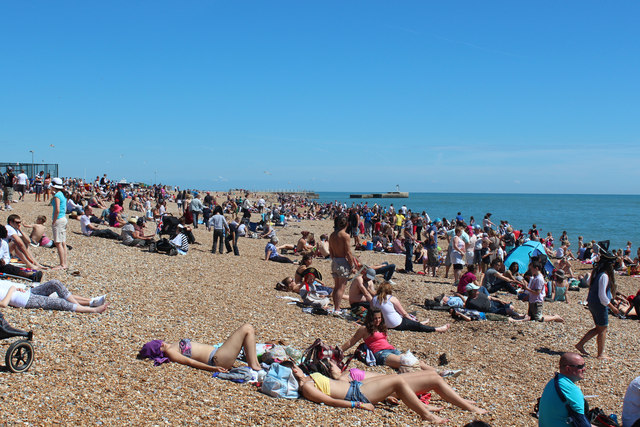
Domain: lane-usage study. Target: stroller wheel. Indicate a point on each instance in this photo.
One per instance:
(19, 357)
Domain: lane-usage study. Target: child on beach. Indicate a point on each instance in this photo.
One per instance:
(37, 236)
(559, 287)
(536, 292)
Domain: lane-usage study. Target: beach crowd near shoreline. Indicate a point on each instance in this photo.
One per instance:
(193, 267)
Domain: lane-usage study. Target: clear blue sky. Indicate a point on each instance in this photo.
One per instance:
(331, 96)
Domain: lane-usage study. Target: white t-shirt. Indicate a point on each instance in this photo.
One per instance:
(4, 251)
(84, 221)
(242, 230)
(631, 403)
(12, 232)
(18, 299)
(22, 179)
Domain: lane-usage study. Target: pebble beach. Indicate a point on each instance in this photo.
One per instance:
(86, 372)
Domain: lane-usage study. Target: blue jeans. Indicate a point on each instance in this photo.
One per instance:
(381, 356)
(195, 218)
(408, 261)
(387, 271)
(218, 235)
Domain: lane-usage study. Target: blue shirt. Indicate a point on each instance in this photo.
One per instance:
(271, 247)
(433, 229)
(63, 205)
(553, 412)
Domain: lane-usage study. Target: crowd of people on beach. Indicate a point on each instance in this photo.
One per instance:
(483, 275)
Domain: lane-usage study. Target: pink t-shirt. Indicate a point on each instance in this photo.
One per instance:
(378, 341)
(466, 278)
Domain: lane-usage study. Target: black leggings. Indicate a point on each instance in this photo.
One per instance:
(412, 325)
(279, 258)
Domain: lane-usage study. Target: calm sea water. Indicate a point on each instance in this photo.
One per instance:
(595, 217)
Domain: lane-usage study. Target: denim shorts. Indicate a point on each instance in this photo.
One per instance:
(381, 356)
(600, 314)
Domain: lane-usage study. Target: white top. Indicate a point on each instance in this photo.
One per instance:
(631, 403)
(242, 230)
(18, 299)
(602, 290)
(4, 251)
(22, 179)
(458, 257)
(11, 232)
(84, 221)
(391, 317)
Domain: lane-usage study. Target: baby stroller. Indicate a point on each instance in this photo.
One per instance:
(169, 226)
(19, 356)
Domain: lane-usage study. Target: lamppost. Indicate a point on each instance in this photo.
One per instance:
(33, 172)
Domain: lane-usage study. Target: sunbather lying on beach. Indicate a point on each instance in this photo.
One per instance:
(420, 382)
(212, 358)
(363, 393)
(40, 297)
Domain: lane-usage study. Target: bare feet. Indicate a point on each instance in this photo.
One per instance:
(603, 357)
(479, 411)
(434, 408)
(444, 328)
(581, 349)
(58, 267)
(434, 419)
(425, 321)
(101, 309)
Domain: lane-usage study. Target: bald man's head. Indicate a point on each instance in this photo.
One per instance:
(572, 366)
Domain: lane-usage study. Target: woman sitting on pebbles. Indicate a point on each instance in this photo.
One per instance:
(359, 390)
(395, 316)
(40, 297)
(213, 358)
(374, 335)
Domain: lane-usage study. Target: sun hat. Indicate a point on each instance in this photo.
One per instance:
(371, 274)
(472, 287)
(57, 184)
(559, 274)
(437, 220)
(311, 270)
(133, 220)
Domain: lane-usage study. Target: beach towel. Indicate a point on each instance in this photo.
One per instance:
(151, 350)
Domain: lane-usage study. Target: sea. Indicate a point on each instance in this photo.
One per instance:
(595, 217)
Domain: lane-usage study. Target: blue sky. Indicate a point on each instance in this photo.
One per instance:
(330, 96)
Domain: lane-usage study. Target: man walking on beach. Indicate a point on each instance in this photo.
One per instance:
(343, 263)
(554, 410)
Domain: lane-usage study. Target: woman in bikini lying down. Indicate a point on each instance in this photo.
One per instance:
(213, 358)
(357, 389)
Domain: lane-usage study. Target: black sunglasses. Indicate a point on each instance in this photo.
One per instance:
(577, 366)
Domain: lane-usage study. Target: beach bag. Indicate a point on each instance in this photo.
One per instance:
(280, 382)
(163, 245)
(316, 353)
(311, 296)
(600, 419)
(315, 299)
(408, 363)
(365, 355)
